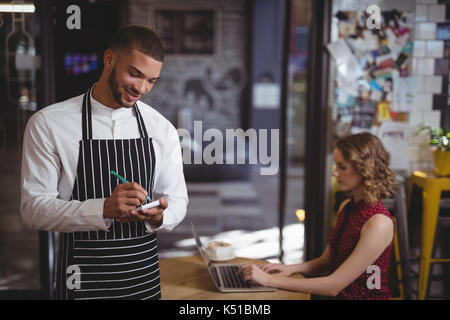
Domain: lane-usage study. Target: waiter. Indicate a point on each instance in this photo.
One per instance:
(69, 150)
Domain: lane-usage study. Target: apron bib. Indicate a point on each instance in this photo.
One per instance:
(122, 262)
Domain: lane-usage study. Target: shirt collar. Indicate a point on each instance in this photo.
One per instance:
(99, 109)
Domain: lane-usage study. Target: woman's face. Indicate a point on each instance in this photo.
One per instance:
(347, 177)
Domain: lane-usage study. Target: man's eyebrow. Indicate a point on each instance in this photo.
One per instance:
(141, 74)
(137, 70)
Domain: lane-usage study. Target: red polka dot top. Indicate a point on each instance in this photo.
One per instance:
(343, 240)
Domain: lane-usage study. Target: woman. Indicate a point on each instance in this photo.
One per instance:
(356, 258)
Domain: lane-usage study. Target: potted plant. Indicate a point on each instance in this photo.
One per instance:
(440, 140)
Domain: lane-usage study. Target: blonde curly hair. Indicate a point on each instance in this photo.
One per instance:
(371, 160)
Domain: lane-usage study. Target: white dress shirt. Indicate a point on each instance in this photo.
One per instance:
(50, 157)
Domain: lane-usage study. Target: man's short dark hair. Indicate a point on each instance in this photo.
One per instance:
(140, 38)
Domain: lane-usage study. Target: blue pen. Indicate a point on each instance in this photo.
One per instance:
(122, 179)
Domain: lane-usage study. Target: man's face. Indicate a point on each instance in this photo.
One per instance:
(132, 76)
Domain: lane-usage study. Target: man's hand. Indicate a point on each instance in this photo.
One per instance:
(153, 216)
(125, 197)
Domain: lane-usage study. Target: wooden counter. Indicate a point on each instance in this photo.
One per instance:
(187, 278)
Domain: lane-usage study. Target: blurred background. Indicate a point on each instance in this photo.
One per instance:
(232, 64)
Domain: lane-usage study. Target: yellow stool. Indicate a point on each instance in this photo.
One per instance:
(432, 187)
(398, 261)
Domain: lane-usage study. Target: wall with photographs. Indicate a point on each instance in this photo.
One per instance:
(390, 80)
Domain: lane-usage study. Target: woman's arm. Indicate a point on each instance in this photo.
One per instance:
(315, 266)
(376, 235)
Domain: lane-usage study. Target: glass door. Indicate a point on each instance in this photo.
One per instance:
(20, 254)
(294, 216)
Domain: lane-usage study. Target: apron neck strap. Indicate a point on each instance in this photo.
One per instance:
(140, 122)
(86, 117)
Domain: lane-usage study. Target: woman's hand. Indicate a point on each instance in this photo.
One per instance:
(278, 269)
(252, 272)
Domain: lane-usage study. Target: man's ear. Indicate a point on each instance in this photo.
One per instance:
(109, 58)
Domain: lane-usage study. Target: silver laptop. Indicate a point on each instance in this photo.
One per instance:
(225, 276)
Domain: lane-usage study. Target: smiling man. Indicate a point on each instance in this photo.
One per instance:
(69, 151)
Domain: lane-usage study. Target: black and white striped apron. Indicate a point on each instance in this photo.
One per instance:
(122, 262)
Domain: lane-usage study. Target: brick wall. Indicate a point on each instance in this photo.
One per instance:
(212, 86)
(430, 66)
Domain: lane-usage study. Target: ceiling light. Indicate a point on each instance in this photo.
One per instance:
(18, 8)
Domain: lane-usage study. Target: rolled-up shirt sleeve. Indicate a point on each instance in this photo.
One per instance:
(41, 206)
(170, 183)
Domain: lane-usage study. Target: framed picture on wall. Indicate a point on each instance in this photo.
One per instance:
(187, 32)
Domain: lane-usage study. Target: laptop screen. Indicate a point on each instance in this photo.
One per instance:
(200, 246)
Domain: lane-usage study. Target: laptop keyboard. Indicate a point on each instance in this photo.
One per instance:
(231, 278)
